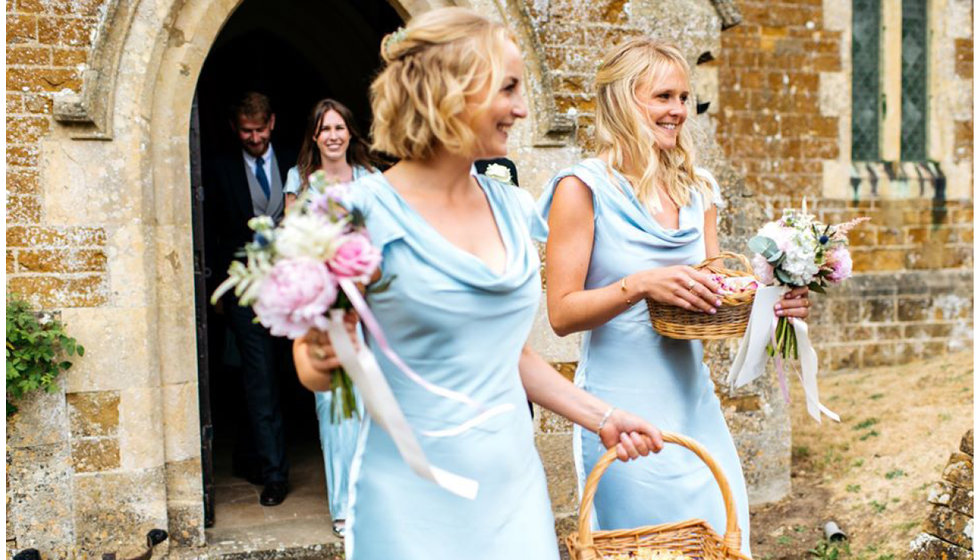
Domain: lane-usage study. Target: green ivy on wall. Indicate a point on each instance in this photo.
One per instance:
(37, 350)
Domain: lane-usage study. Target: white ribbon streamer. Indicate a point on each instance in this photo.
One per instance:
(750, 361)
(381, 404)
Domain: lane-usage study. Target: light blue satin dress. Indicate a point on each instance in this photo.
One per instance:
(461, 326)
(628, 364)
(337, 440)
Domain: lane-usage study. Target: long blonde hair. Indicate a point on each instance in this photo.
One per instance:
(434, 67)
(624, 132)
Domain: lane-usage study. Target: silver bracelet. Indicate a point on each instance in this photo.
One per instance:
(605, 418)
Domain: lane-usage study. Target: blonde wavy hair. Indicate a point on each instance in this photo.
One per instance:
(624, 131)
(434, 67)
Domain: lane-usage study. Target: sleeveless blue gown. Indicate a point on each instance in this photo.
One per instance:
(337, 440)
(461, 326)
(664, 380)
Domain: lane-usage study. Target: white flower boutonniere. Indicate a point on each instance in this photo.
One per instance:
(499, 173)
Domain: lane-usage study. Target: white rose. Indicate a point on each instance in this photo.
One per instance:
(498, 172)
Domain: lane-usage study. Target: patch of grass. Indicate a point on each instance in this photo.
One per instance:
(866, 423)
(908, 525)
(945, 417)
(877, 396)
(858, 463)
(854, 488)
(878, 506)
(784, 540)
(798, 528)
(891, 475)
(826, 550)
(801, 452)
(871, 434)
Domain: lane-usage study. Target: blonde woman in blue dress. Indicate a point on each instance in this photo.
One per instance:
(464, 290)
(628, 225)
(333, 145)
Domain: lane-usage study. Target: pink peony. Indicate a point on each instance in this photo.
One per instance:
(839, 262)
(355, 258)
(295, 297)
(763, 270)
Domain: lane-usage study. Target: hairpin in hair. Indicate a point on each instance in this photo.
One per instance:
(393, 39)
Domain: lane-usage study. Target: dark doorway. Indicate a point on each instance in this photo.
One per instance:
(296, 52)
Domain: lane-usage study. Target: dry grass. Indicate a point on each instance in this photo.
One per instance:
(871, 472)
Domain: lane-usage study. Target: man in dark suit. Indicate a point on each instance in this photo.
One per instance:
(241, 184)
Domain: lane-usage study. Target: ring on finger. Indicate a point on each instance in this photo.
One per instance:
(690, 285)
(319, 353)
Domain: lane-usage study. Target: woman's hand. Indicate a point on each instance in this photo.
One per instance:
(632, 435)
(795, 303)
(315, 356)
(680, 286)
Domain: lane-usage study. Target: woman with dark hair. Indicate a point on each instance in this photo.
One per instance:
(331, 144)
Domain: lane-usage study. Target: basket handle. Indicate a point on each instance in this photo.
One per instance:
(715, 263)
(733, 535)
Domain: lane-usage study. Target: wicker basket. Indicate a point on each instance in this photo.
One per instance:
(728, 322)
(691, 539)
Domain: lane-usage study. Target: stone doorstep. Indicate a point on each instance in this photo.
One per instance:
(236, 551)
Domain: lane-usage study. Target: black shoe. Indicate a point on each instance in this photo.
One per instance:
(274, 493)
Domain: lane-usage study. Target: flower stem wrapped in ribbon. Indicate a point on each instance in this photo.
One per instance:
(794, 251)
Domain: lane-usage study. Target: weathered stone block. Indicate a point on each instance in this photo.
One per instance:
(913, 309)
(22, 156)
(23, 209)
(21, 28)
(559, 468)
(551, 423)
(950, 526)
(39, 497)
(93, 414)
(28, 56)
(142, 432)
(959, 470)
(94, 455)
(928, 547)
(64, 261)
(35, 236)
(57, 291)
(185, 523)
(181, 422)
(38, 103)
(966, 444)
(184, 480)
(114, 511)
(42, 419)
(878, 355)
(957, 499)
(878, 310)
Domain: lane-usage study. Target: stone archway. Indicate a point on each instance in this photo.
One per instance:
(145, 92)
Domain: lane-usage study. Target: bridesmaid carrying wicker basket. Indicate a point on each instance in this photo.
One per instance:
(626, 226)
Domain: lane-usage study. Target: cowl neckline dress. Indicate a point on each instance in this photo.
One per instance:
(462, 326)
(631, 366)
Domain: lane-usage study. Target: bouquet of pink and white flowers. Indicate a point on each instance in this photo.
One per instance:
(292, 272)
(795, 251)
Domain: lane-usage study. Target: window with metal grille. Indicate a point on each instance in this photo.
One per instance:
(865, 79)
(872, 96)
(915, 32)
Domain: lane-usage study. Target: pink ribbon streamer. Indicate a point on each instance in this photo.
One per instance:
(783, 384)
(369, 321)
